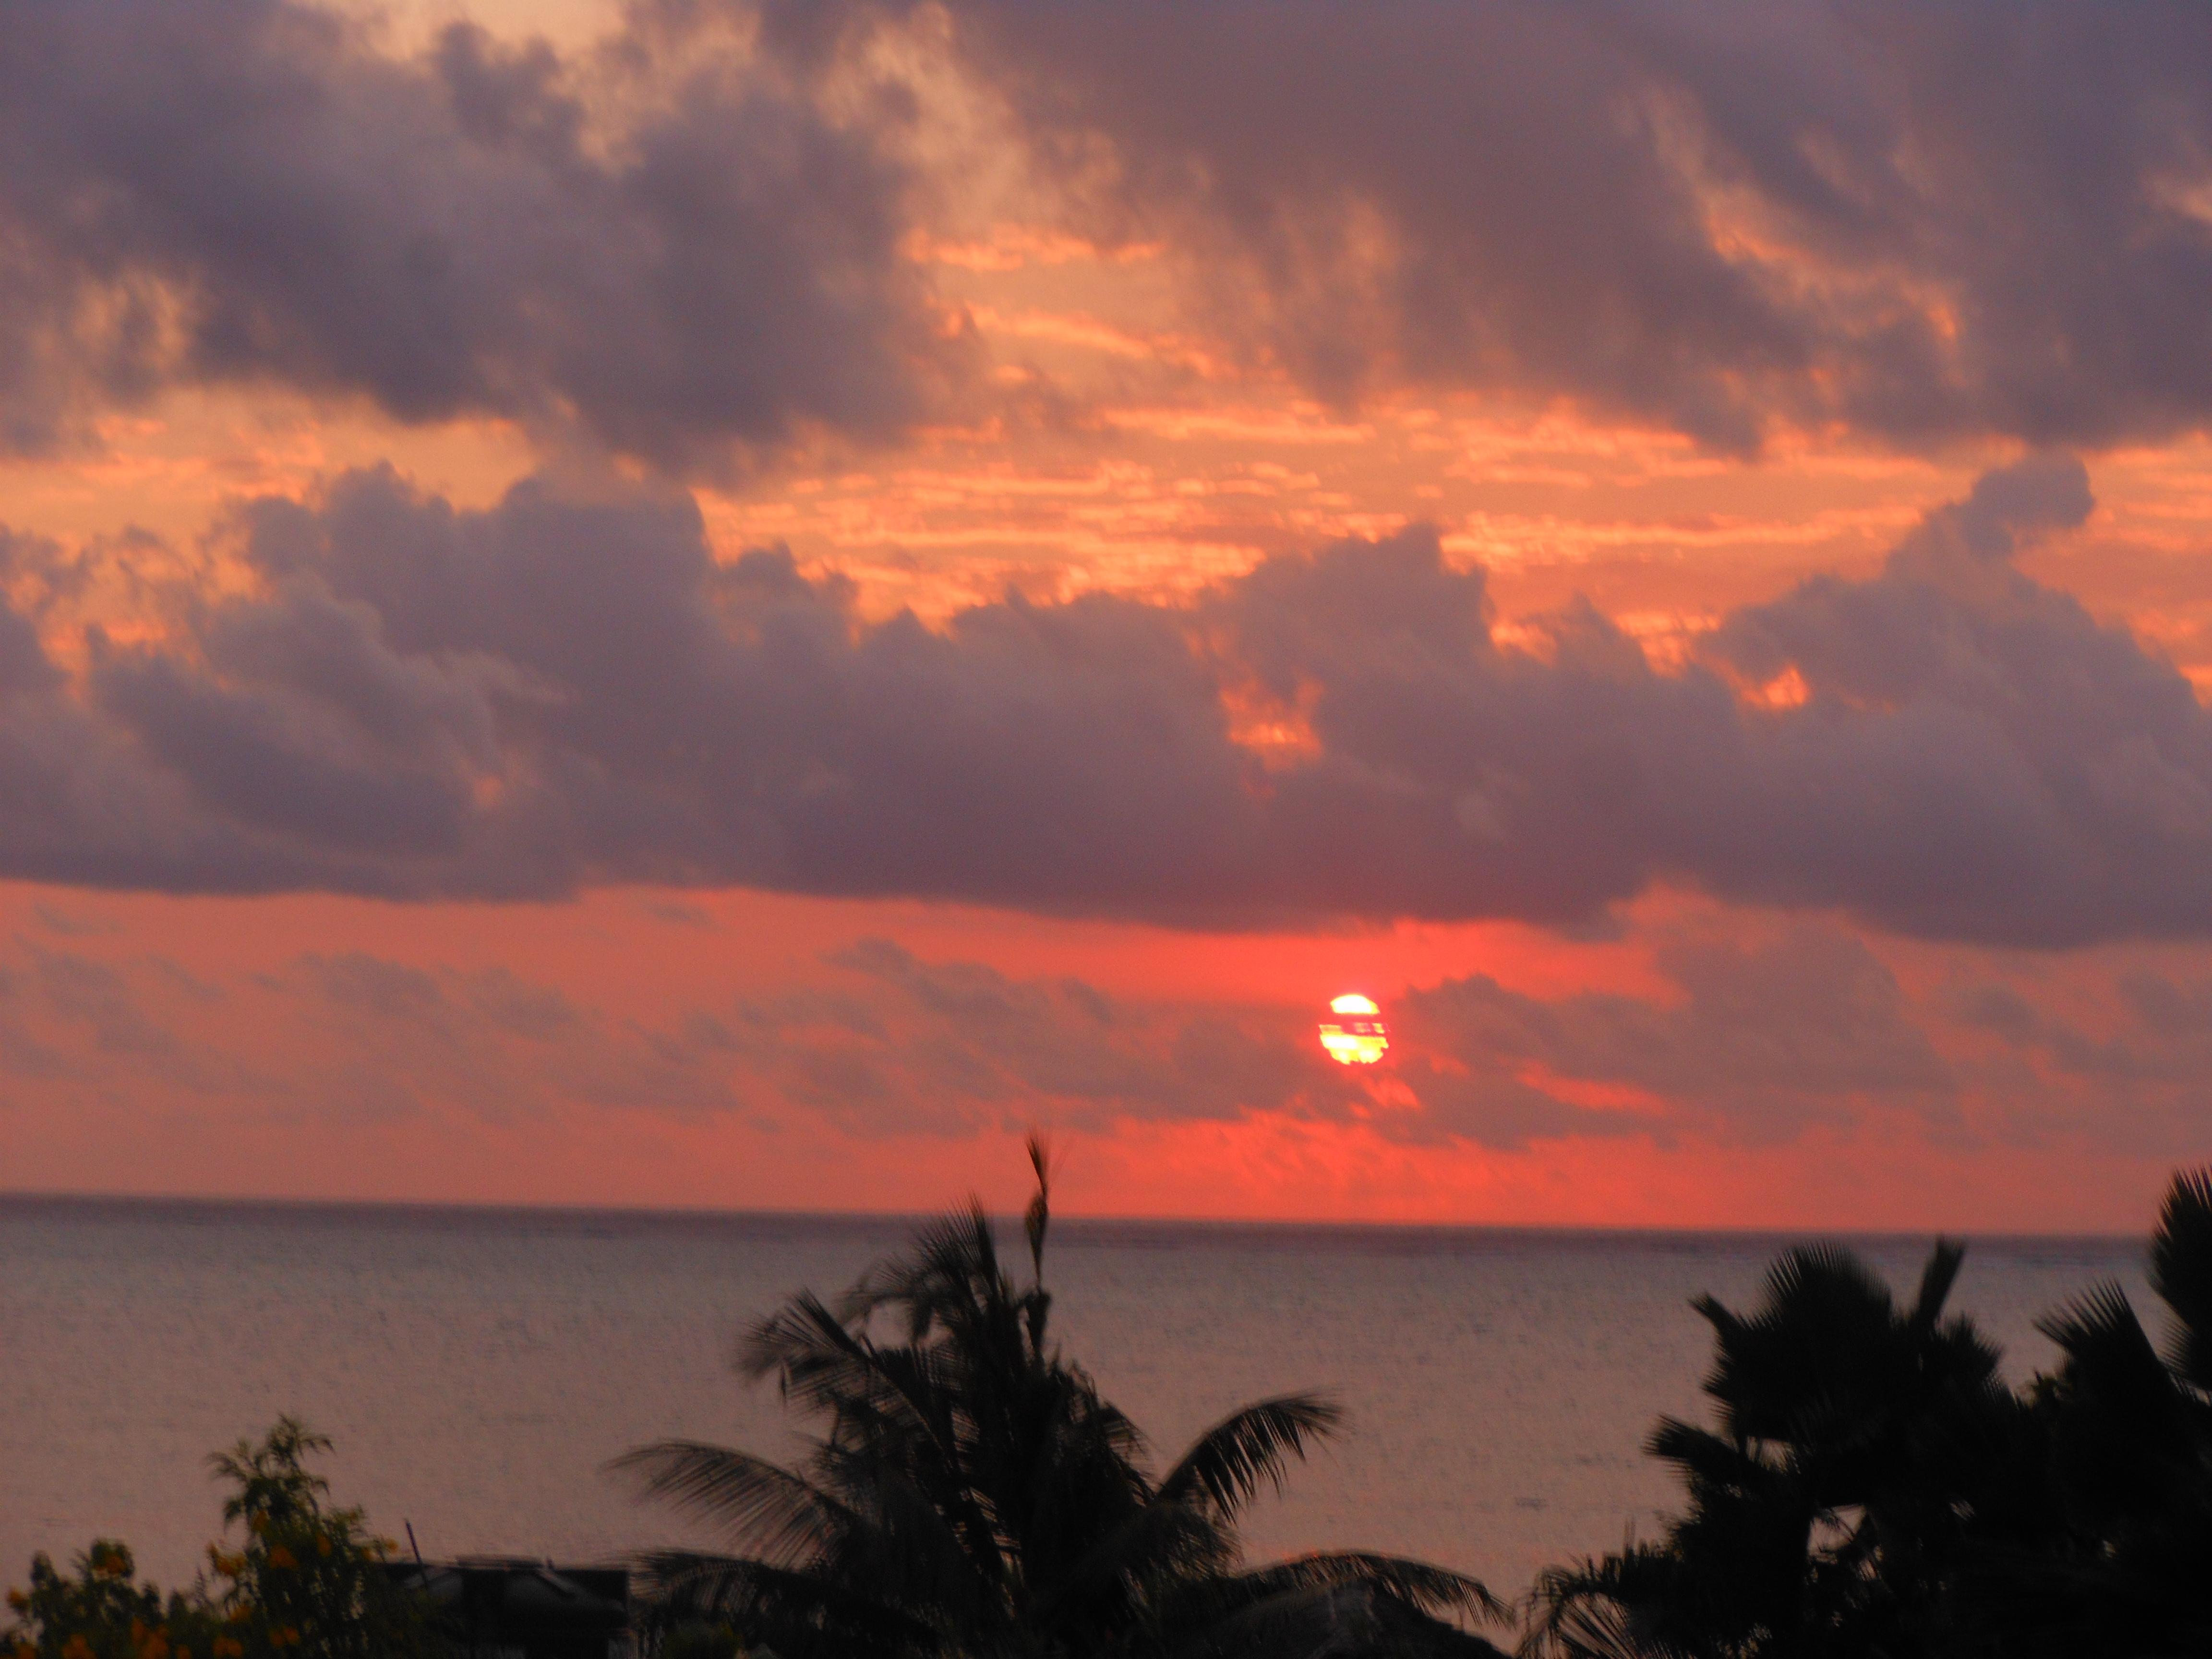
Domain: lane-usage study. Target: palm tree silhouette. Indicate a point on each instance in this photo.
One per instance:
(2131, 1433)
(1872, 1487)
(974, 1495)
(1863, 1453)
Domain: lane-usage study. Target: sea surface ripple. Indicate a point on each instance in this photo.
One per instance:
(477, 1368)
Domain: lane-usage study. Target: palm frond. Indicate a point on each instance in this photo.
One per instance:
(1228, 1463)
(1431, 1589)
(2181, 1272)
(1582, 1619)
(1038, 1216)
(1710, 1460)
(1828, 1277)
(823, 1366)
(1936, 1279)
(801, 1334)
(951, 1267)
(972, 1492)
(913, 1549)
(1159, 1543)
(784, 1517)
(2101, 1335)
(1601, 1608)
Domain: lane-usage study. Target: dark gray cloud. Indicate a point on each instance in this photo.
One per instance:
(1747, 1042)
(669, 245)
(385, 1039)
(1969, 218)
(944, 1048)
(81, 989)
(422, 702)
(949, 1048)
(1761, 1039)
(2158, 1037)
(1734, 1037)
(1984, 218)
(1740, 1043)
(2122, 1056)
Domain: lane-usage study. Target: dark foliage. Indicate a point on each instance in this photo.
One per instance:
(973, 1495)
(1872, 1488)
(307, 1580)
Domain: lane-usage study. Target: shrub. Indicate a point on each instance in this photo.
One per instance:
(101, 1614)
(306, 1582)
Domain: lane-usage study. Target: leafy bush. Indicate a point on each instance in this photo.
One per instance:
(101, 1614)
(306, 1582)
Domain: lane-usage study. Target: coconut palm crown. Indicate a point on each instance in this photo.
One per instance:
(1873, 1488)
(972, 1496)
(1864, 1452)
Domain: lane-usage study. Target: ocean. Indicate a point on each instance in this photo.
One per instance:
(477, 1368)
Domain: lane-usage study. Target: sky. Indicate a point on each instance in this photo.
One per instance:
(722, 604)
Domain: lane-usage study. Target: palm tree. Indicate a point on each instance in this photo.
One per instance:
(1866, 1456)
(973, 1497)
(2132, 1434)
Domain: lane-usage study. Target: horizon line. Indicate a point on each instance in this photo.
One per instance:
(1277, 1223)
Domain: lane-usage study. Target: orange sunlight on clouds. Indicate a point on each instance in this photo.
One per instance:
(1069, 395)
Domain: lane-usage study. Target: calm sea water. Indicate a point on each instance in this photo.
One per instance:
(476, 1369)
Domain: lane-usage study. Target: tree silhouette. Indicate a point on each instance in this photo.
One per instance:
(2132, 1433)
(973, 1495)
(1872, 1487)
(1864, 1454)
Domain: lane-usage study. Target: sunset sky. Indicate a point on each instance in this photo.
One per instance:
(727, 605)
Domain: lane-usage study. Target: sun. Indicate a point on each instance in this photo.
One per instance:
(1356, 1036)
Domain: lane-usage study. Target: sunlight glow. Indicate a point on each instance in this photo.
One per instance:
(1357, 1038)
